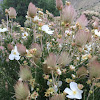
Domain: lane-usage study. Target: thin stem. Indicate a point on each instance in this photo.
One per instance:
(7, 21)
(91, 89)
(53, 79)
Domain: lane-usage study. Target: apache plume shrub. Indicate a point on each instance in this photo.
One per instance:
(32, 10)
(21, 91)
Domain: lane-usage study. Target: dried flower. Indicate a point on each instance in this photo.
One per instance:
(12, 12)
(10, 47)
(51, 60)
(32, 10)
(64, 59)
(37, 50)
(81, 71)
(94, 68)
(82, 37)
(21, 49)
(58, 97)
(25, 73)
(82, 21)
(21, 90)
(68, 14)
(59, 4)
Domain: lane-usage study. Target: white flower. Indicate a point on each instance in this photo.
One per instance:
(46, 29)
(20, 80)
(36, 18)
(3, 30)
(59, 72)
(72, 67)
(97, 32)
(48, 46)
(60, 45)
(84, 57)
(87, 48)
(73, 76)
(24, 35)
(68, 32)
(56, 86)
(40, 12)
(14, 54)
(74, 92)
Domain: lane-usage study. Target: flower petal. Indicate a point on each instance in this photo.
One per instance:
(68, 91)
(70, 96)
(11, 57)
(78, 96)
(17, 57)
(73, 86)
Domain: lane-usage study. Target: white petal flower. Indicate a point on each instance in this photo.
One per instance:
(24, 35)
(14, 54)
(36, 18)
(68, 32)
(55, 88)
(74, 92)
(59, 83)
(46, 29)
(72, 67)
(97, 32)
(3, 30)
(59, 72)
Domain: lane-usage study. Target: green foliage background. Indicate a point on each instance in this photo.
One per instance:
(21, 7)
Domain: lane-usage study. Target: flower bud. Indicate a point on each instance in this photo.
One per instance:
(80, 86)
(12, 12)
(21, 49)
(32, 10)
(21, 90)
(25, 73)
(6, 11)
(59, 4)
(37, 50)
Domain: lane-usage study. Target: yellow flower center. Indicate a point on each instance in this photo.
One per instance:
(14, 53)
(74, 92)
(24, 34)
